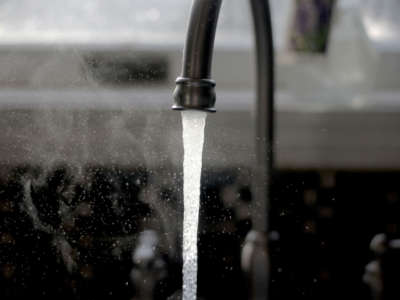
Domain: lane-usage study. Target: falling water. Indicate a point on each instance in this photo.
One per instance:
(193, 123)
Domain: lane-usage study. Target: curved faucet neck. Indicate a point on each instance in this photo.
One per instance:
(199, 46)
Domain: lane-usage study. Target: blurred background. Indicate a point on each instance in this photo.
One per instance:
(91, 155)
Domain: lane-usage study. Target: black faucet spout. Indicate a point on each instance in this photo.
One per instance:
(195, 89)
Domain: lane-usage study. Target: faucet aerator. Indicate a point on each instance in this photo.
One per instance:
(198, 94)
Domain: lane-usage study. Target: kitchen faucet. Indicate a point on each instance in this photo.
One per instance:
(196, 90)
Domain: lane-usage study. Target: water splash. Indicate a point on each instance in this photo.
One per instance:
(193, 123)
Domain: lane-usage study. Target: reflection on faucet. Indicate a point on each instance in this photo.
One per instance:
(382, 274)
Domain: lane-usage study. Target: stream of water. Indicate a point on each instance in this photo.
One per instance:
(193, 123)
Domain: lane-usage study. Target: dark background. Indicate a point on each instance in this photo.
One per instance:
(321, 226)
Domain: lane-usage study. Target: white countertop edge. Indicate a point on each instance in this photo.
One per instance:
(161, 99)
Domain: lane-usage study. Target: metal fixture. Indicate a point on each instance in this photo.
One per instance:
(196, 90)
(382, 274)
